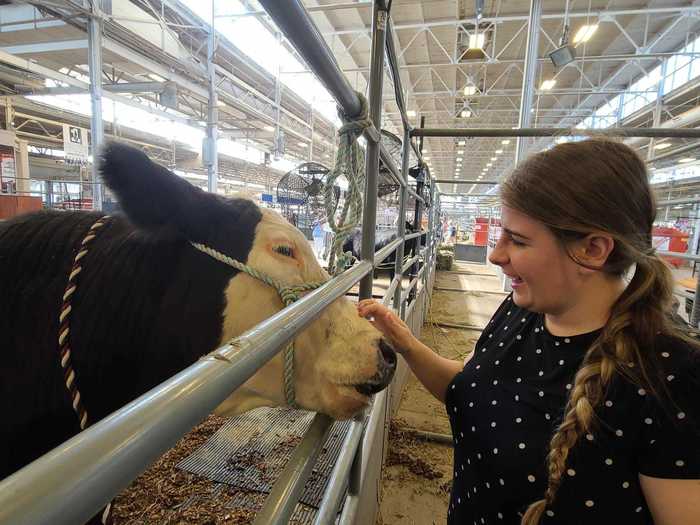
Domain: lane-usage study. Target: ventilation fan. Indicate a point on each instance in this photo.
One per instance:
(386, 184)
(300, 195)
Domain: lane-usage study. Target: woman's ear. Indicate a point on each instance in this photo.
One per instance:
(593, 250)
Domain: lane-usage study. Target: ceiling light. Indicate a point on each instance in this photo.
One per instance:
(411, 113)
(269, 128)
(155, 77)
(461, 143)
(686, 159)
(476, 41)
(548, 84)
(494, 158)
(456, 176)
(303, 145)
(220, 103)
(426, 158)
(585, 33)
(662, 145)
(469, 91)
(505, 142)
(489, 165)
(499, 151)
(459, 158)
(465, 113)
(460, 151)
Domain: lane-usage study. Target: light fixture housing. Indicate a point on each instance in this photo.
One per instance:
(548, 84)
(465, 113)
(585, 33)
(411, 113)
(662, 145)
(563, 55)
(505, 142)
(469, 90)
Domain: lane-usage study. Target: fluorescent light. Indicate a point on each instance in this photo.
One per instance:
(662, 145)
(499, 151)
(548, 84)
(494, 158)
(489, 165)
(469, 91)
(505, 142)
(585, 33)
(269, 128)
(303, 144)
(465, 113)
(686, 159)
(461, 143)
(459, 158)
(456, 176)
(476, 41)
(155, 77)
(220, 103)
(411, 113)
(460, 151)
(426, 158)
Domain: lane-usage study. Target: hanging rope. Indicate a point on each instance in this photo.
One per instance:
(349, 163)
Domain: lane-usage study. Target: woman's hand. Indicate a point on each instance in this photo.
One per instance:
(387, 322)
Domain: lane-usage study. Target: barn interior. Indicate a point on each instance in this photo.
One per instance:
(252, 99)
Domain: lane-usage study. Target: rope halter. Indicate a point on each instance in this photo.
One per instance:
(288, 293)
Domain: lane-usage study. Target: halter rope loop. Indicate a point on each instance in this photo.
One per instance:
(288, 294)
(349, 163)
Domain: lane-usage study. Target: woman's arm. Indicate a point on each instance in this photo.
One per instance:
(431, 369)
(672, 501)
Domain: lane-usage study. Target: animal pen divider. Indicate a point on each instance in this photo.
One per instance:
(78, 478)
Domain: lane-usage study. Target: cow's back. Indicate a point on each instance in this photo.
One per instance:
(143, 310)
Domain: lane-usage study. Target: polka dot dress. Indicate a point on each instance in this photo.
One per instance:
(507, 402)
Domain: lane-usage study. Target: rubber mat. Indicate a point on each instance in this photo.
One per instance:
(251, 450)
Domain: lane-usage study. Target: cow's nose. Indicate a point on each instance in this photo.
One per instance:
(388, 354)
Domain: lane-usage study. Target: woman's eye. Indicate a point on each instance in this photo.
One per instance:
(517, 242)
(284, 250)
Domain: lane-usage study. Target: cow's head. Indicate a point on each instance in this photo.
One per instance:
(339, 359)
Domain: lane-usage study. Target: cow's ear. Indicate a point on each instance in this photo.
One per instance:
(154, 198)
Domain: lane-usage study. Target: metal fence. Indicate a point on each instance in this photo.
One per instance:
(75, 480)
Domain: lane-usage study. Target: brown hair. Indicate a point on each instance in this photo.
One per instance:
(576, 189)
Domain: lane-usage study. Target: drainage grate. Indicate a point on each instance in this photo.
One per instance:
(251, 450)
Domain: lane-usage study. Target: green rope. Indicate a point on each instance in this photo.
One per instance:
(288, 294)
(349, 163)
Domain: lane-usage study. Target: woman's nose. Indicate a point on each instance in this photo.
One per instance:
(498, 255)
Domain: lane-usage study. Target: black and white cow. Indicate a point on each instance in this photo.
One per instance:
(148, 304)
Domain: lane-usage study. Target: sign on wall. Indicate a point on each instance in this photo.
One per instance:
(75, 144)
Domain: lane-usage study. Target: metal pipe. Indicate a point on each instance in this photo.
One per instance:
(286, 491)
(209, 154)
(672, 202)
(413, 235)
(678, 255)
(448, 181)
(337, 482)
(393, 287)
(403, 197)
(689, 133)
(77, 478)
(389, 163)
(413, 194)
(528, 89)
(386, 251)
(410, 262)
(96, 124)
(293, 20)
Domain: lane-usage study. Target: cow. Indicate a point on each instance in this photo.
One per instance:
(147, 304)
(353, 244)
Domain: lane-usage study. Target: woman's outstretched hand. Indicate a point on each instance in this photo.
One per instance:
(387, 322)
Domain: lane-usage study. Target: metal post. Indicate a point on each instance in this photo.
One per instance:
(403, 196)
(96, 124)
(533, 39)
(210, 156)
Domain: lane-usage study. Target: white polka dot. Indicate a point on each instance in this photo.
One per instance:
(487, 485)
(568, 386)
(625, 484)
(531, 478)
(478, 366)
(681, 415)
(461, 434)
(540, 393)
(478, 455)
(652, 441)
(630, 364)
(641, 392)
(589, 437)
(608, 403)
(500, 344)
(589, 503)
(547, 417)
(550, 513)
(500, 480)
(455, 409)
(505, 328)
(473, 429)
(537, 330)
(556, 343)
(538, 351)
(520, 358)
(469, 461)
(648, 421)
(567, 340)
(521, 446)
(493, 424)
(453, 387)
(522, 320)
(670, 377)
(471, 403)
(459, 500)
(500, 516)
(541, 373)
(518, 419)
(484, 350)
(473, 385)
(495, 381)
(665, 354)
(638, 509)
(462, 466)
(561, 361)
(618, 433)
(494, 402)
(518, 379)
(608, 461)
(680, 463)
(571, 472)
(517, 397)
(518, 337)
(497, 362)
(490, 336)
(508, 312)
(495, 451)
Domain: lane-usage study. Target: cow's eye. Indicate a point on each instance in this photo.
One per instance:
(284, 250)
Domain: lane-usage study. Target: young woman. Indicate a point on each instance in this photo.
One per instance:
(581, 400)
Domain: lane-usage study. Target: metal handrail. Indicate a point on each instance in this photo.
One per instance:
(387, 251)
(693, 133)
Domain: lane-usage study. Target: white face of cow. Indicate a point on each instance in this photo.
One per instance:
(336, 353)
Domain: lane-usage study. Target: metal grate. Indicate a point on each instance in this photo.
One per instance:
(251, 450)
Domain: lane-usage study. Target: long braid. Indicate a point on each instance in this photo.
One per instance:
(634, 322)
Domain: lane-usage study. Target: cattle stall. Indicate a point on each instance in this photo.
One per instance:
(74, 481)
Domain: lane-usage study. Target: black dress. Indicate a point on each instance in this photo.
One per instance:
(506, 403)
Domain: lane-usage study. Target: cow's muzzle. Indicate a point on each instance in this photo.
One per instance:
(386, 366)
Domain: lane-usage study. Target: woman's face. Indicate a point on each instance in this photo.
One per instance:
(544, 278)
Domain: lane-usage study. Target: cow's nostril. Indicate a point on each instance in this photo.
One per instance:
(388, 353)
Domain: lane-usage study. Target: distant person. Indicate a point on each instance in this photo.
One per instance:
(580, 403)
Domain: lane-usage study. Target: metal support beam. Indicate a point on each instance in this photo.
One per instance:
(448, 181)
(96, 124)
(210, 156)
(528, 90)
(556, 132)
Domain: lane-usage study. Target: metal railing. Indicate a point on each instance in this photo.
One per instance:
(75, 480)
